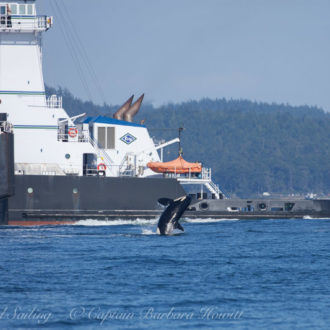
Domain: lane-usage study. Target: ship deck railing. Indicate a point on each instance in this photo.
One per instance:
(54, 101)
(202, 178)
(94, 171)
(64, 137)
(21, 23)
(205, 174)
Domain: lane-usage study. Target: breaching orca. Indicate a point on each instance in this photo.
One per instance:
(169, 219)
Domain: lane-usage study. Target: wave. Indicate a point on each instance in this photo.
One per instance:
(117, 222)
(148, 232)
(208, 220)
(122, 222)
(308, 217)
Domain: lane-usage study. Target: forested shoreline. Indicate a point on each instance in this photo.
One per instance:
(251, 147)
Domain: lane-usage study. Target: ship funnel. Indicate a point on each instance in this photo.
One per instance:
(134, 109)
(121, 111)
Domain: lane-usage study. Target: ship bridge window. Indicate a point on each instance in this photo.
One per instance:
(22, 9)
(3, 11)
(106, 137)
(13, 9)
(30, 9)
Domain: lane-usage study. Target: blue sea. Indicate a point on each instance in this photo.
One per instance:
(240, 274)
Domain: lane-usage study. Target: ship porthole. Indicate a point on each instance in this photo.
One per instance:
(262, 207)
(75, 190)
(204, 206)
(30, 190)
(67, 156)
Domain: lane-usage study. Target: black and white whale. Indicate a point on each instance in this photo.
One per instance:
(169, 220)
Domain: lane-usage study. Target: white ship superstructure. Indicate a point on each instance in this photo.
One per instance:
(47, 140)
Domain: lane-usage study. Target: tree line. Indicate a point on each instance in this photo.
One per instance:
(252, 147)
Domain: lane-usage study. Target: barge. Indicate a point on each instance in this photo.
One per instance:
(80, 167)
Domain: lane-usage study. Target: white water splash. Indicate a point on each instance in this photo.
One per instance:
(307, 217)
(119, 222)
(208, 220)
(148, 232)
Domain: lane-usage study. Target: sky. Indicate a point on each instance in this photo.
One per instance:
(180, 50)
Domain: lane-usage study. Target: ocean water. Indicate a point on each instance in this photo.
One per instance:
(240, 274)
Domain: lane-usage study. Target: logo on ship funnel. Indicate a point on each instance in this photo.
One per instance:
(128, 138)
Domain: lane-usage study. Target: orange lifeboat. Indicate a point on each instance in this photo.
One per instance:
(178, 165)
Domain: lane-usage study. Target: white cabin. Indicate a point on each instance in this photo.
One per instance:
(47, 140)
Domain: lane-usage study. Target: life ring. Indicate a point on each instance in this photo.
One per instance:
(101, 167)
(73, 132)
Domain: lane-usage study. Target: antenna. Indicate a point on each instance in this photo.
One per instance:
(180, 149)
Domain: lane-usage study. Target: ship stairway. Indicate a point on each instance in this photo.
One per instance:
(104, 155)
(214, 189)
(205, 178)
(125, 168)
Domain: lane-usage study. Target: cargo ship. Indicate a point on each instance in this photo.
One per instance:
(69, 168)
(73, 168)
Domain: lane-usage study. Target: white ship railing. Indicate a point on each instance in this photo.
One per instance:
(54, 101)
(16, 23)
(93, 171)
(203, 178)
(65, 137)
(206, 174)
(71, 171)
(125, 168)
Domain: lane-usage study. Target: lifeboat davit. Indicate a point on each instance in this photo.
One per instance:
(178, 165)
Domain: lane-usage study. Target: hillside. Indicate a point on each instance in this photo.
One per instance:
(251, 147)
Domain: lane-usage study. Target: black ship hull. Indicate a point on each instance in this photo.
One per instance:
(66, 199)
(45, 199)
(6, 174)
(259, 209)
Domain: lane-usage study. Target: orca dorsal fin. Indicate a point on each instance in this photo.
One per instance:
(178, 226)
(165, 201)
